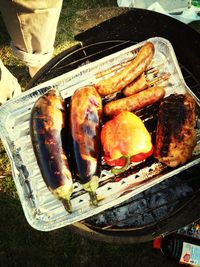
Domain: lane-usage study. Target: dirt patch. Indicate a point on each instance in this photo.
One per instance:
(89, 18)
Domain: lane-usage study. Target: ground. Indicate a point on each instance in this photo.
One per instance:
(20, 245)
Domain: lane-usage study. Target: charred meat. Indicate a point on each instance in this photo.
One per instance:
(176, 135)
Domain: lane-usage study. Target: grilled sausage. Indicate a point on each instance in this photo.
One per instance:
(142, 83)
(85, 122)
(134, 102)
(47, 122)
(139, 64)
(139, 84)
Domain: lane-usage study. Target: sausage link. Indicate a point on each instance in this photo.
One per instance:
(139, 84)
(139, 64)
(135, 102)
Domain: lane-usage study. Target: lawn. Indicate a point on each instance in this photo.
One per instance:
(20, 244)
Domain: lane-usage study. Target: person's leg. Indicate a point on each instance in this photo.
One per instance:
(32, 25)
(9, 86)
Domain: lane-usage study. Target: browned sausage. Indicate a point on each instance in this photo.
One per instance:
(134, 102)
(142, 83)
(139, 84)
(139, 64)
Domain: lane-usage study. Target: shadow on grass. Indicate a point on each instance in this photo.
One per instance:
(21, 245)
(21, 73)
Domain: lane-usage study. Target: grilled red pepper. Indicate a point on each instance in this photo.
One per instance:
(125, 139)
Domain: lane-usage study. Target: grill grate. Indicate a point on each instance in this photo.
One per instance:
(154, 205)
(76, 57)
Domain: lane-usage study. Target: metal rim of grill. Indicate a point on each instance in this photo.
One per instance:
(80, 55)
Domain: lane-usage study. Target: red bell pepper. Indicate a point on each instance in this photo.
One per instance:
(125, 139)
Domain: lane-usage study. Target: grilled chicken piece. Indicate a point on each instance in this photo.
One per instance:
(175, 135)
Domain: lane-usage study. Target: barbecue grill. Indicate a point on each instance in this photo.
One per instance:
(175, 202)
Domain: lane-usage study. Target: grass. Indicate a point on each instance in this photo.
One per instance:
(21, 245)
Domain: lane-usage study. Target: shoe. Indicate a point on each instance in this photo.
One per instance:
(9, 86)
(33, 70)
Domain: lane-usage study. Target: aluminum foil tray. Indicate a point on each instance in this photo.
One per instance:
(42, 211)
